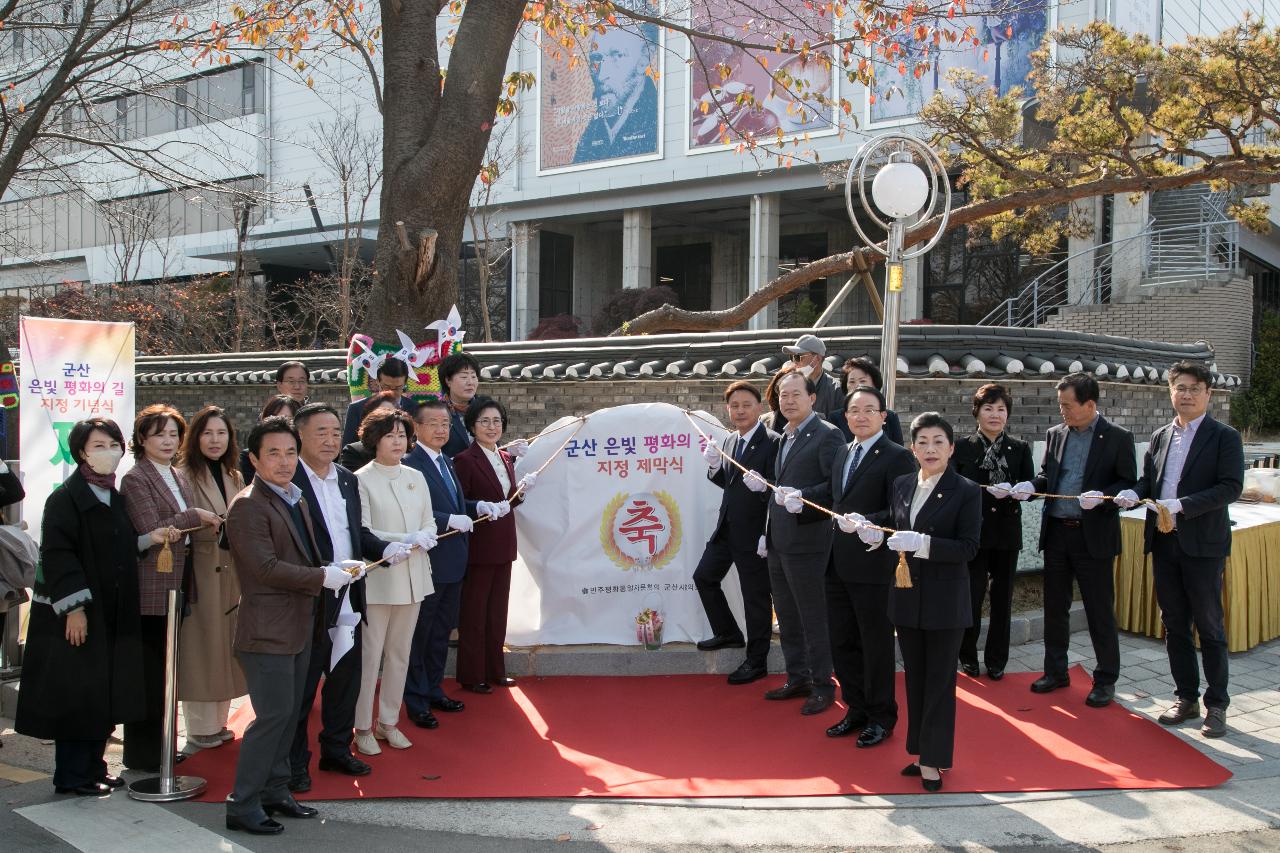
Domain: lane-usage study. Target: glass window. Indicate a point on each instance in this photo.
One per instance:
(182, 115)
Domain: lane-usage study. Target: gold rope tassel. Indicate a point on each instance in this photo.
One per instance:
(164, 561)
(1164, 518)
(902, 579)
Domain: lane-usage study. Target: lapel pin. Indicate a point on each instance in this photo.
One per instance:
(938, 496)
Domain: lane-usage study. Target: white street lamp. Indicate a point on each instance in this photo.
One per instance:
(908, 186)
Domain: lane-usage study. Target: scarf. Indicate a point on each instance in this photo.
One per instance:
(993, 461)
(93, 478)
(460, 408)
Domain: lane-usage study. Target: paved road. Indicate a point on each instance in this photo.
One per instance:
(1242, 815)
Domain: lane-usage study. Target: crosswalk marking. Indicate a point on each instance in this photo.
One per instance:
(117, 824)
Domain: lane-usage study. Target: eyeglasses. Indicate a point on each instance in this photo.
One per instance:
(799, 357)
(489, 422)
(866, 411)
(1194, 390)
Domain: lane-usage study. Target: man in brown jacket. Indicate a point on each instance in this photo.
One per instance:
(277, 560)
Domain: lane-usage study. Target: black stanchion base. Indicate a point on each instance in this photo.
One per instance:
(150, 790)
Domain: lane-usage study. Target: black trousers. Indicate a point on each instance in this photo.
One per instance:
(929, 663)
(998, 567)
(862, 648)
(337, 701)
(144, 740)
(262, 770)
(78, 762)
(1189, 592)
(757, 602)
(1066, 559)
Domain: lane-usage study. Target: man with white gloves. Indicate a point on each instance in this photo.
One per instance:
(438, 615)
(799, 544)
(859, 578)
(735, 539)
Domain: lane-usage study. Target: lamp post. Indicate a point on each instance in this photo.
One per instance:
(909, 181)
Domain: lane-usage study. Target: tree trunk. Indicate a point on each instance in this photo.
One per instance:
(433, 146)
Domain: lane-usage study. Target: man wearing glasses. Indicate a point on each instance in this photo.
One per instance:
(291, 380)
(1194, 468)
(807, 355)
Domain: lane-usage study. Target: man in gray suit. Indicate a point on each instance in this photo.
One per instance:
(799, 543)
(279, 567)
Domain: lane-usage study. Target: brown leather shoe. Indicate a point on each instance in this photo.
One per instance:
(1182, 710)
(1215, 723)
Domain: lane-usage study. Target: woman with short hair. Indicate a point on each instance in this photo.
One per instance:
(357, 454)
(993, 458)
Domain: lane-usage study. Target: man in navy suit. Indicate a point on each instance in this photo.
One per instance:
(393, 376)
(858, 580)
(1088, 456)
(799, 544)
(737, 537)
(333, 499)
(1194, 467)
(438, 615)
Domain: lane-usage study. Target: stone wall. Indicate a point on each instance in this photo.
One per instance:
(1220, 313)
(534, 404)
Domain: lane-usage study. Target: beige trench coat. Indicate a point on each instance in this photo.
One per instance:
(207, 668)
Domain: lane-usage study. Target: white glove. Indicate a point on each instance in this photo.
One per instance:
(762, 550)
(484, 508)
(504, 508)
(1127, 499)
(526, 482)
(711, 453)
(1000, 490)
(397, 552)
(1174, 505)
(1088, 500)
(517, 448)
(870, 536)
(1022, 491)
(461, 523)
(789, 498)
(850, 522)
(335, 577)
(425, 538)
(356, 568)
(755, 482)
(907, 540)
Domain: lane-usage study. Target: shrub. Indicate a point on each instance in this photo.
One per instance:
(558, 326)
(624, 305)
(1258, 407)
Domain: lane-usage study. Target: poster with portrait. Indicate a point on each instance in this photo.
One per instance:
(600, 97)
(612, 531)
(737, 93)
(1002, 55)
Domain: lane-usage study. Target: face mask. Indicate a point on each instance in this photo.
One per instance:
(104, 461)
(806, 371)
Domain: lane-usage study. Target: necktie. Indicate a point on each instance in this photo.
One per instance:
(448, 479)
(742, 445)
(853, 466)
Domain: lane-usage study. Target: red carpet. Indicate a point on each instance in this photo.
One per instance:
(695, 736)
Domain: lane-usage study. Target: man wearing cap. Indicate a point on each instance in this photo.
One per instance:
(807, 355)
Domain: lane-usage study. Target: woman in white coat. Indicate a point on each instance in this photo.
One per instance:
(395, 505)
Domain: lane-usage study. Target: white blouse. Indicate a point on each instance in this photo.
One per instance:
(499, 468)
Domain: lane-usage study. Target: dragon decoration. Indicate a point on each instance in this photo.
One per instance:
(364, 357)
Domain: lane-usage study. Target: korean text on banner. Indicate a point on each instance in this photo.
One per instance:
(610, 536)
(70, 370)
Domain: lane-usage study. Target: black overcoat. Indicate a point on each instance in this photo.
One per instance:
(82, 692)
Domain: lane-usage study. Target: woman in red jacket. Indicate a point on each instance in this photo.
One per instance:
(487, 474)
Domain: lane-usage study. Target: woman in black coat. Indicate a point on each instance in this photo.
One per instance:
(991, 458)
(938, 518)
(82, 673)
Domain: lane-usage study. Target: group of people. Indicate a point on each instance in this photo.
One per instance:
(278, 552)
(819, 502)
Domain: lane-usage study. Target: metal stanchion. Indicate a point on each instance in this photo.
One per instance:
(166, 787)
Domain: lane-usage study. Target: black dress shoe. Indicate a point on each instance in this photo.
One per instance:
(347, 764)
(301, 783)
(1100, 696)
(112, 782)
(817, 703)
(995, 674)
(970, 669)
(746, 673)
(480, 687)
(88, 789)
(851, 723)
(912, 769)
(290, 808)
(872, 735)
(447, 705)
(721, 641)
(790, 690)
(257, 826)
(425, 721)
(931, 785)
(504, 681)
(1049, 683)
